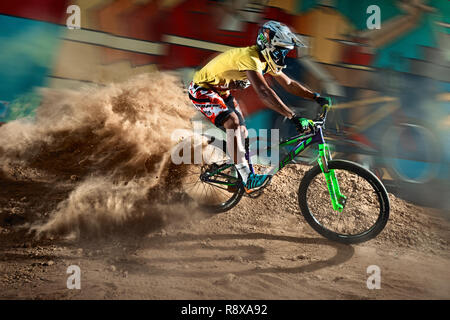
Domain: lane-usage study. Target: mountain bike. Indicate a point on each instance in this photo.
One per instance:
(339, 199)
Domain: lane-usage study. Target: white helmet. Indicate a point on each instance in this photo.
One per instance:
(275, 40)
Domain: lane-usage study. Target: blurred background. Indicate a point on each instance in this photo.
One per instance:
(391, 86)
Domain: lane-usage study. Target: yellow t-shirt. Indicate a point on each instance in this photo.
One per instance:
(229, 66)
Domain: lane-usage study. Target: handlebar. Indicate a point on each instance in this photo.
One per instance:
(321, 119)
(323, 116)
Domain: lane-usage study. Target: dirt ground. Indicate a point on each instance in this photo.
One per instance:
(85, 184)
(261, 249)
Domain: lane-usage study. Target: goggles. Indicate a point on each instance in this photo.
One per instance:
(279, 54)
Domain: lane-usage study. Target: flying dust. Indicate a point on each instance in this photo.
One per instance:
(113, 143)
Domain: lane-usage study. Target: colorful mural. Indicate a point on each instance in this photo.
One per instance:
(391, 85)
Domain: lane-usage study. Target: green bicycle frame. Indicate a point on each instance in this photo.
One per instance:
(301, 142)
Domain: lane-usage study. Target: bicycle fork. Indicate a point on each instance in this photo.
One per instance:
(337, 198)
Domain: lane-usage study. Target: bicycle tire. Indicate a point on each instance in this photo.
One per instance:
(359, 171)
(235, 197)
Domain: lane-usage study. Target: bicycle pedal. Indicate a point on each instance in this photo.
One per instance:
(253, 193)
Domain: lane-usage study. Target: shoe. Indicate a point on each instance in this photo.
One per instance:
(256, 180)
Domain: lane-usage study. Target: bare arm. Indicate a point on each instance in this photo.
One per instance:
(294, 87)
(267, 95)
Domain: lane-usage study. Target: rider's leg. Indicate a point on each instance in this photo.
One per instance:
(224, 113)
(235, 147)
(235, 144)
(242, 162)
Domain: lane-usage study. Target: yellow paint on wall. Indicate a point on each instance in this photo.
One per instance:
(443, 97)
(81, 61)
(89, 19)
(288, 5)
(121, 71)
(324, 25)
(77, 61)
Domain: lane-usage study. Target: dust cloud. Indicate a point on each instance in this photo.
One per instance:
(113, 143)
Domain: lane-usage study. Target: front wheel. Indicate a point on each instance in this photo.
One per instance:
(366, 208)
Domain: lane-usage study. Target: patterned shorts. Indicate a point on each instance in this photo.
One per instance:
(215, 107)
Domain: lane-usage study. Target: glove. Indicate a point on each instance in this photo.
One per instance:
(302, 124)
(324, 102)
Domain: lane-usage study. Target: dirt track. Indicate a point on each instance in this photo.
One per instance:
(84, 184)
(259, 250)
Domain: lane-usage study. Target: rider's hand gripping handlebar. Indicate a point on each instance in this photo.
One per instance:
(322, 117)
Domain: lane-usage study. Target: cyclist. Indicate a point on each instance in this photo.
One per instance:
(239, 68)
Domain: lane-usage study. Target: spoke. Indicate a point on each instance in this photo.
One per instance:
(204, 192)
(205, 187)
(219, 195)
(339, 220)
(356, 218)
(197, 189)
(192, 185)
(353, 189)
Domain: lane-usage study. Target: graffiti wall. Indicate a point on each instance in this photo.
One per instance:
(391, 83)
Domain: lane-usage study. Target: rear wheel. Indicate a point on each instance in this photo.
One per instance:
(213, 182)
(366, 209)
